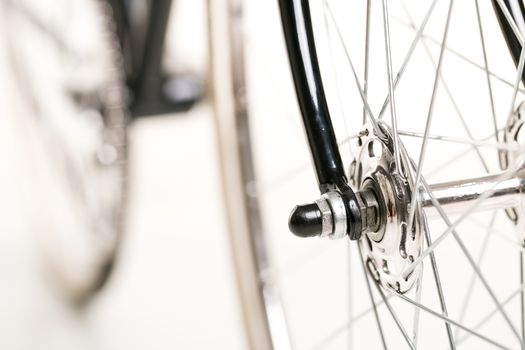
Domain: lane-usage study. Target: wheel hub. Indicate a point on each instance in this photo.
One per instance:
(514, 137)
(390, 246)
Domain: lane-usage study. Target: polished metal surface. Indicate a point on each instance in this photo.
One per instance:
(326, 216)
(387, 242)
(338, 208)
(502, 191)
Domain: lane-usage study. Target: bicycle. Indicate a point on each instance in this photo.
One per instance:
(374, 193)
(382, 201)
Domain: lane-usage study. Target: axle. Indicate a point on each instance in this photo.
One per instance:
(502, 191)
(326, 217)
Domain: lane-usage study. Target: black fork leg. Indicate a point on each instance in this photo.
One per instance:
(517, 11)
(305, 220)
(297, 26)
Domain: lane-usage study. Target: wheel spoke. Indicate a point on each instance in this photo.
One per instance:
(470, 142)
(510, 20)
(439, 287)
(468, 290)
(350, 334)
(367, 52)
(458, 54)
(451, 228)
(491, 314)
(448, 320)
(455, 158)
(393, 114)
(487, 75)
(522, 300)
(371, 117)
(498, 234)
(411, 50)
(378, 321)
(392, 313)
(521, 64)
(449, 94)
(323, 344)
(430, 114)
(415, 323)
(335, 75)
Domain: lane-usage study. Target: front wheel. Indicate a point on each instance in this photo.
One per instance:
(423, 98)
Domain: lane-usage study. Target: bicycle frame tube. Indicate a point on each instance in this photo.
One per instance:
(297, 26)
(517, 12)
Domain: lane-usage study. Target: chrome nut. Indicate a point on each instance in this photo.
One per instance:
(326, 217)
(338, 210)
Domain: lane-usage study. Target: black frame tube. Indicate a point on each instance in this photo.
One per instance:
(511, 39)
(297, 26)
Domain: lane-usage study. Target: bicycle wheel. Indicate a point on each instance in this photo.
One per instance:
(423, 99)
(69, 117)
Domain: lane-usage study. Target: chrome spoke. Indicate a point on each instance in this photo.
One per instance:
(486, 62)
(392, 313)
(334, 334)
(415, 323)
(470, 142)
(393, 115)
(522, 301)
(350, 333)
(510, 21)
(521, 64)
(455, 158)
(336, 76)
(498, 234)
(367, 51)
(452, 228)
(439, 287)
(411, 50)
(491, 314)
(449, 95)
(449, 320)
(371, 117)
(468, 290)
(298, 262)
(458, 54)
(430, 114)
(365, 274)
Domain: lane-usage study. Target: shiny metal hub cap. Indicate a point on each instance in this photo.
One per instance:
(393, 246)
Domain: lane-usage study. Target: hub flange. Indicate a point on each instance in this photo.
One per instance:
(390, 246)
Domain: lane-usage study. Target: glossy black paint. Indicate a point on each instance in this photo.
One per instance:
(512, 41)
(142, 42)
(306, 221)
(297, 26)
